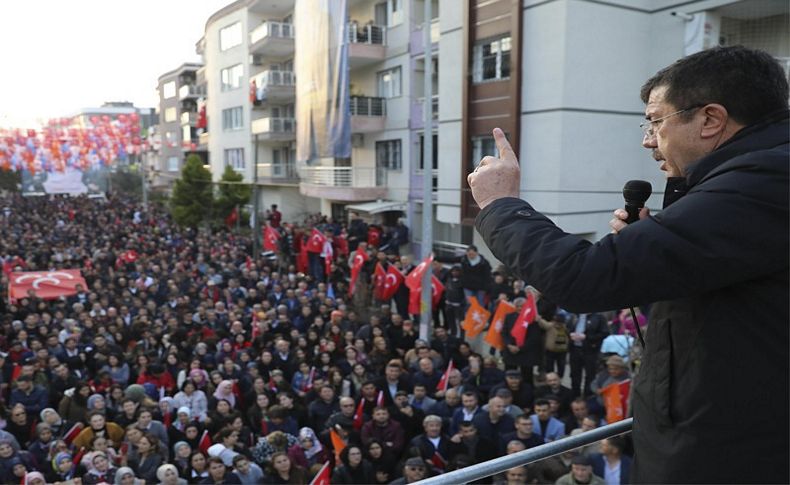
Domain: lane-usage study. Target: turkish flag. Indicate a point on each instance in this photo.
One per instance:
(341, 244)
(374, 236)
(129, 256)
(445, 380)
(72, 433)
(232, 217)
(528, 314)
(615, 400)
(359, 415)
(379, 275)
(205, 443)
(437, 290)
(357, 261)
(316, 242)
(494, 335)
(323, 475)
(414, 301)
(270, 238)
(301, 260)
(47, 285)
(475, 319)
(414, 279)
(392, 281)
(438, 461)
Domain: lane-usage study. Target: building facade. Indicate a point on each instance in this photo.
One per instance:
(176, 135)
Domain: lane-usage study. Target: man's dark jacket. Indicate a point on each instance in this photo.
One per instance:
(710, 403)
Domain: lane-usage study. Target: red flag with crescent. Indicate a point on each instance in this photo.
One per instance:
(414, 279)
(316, 242)
(392, 281)
(270, 238)
(379, 275)
(47, 285)
(358, 259)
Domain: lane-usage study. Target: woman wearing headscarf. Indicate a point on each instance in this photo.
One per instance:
(35, 478)
(193, 398)
(125, 476)
(99, 469)
(39, 448)
(97, 402)
(176, 431)
(308, 451)
(224, 391)
(181, 453)
(58, 425)
(168, 475)
(61, 469)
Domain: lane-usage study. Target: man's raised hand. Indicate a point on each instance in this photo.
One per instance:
(496, 178)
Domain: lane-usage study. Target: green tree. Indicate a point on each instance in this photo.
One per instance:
(193, 196)
(10, 180)
(231, 193)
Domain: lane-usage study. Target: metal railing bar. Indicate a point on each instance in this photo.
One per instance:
(498, 465)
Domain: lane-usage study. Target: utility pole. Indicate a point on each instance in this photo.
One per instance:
(143, 172)
(427, 178)
(256, 236)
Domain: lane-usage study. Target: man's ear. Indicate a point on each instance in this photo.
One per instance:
(715, 122)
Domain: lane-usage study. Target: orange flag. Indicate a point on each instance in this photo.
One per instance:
(615, 400)
(494, 335)
(337, 443)
(476, 318)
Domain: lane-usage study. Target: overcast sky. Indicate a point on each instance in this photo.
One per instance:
(59, 56)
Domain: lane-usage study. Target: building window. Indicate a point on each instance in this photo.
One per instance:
(172, 164)
(389, 83)
(169, 89)
(389, 13)
(491, 60)
(170, 115)
(388, 154)
(234, 157)
(435, 152)
(232, 118)
(231, 77)
(482, 146)
(230, 36)
(186, 133)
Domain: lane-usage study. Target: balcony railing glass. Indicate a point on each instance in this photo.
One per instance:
(280, 30)
(367, 34)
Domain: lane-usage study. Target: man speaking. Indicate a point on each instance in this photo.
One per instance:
(710, 402)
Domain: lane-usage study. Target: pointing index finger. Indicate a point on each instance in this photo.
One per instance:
(505, 150)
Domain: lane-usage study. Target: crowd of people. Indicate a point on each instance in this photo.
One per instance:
(186, 359)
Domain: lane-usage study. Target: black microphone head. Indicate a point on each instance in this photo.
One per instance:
(636, 192)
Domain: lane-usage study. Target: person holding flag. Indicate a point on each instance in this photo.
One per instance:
(523, 340)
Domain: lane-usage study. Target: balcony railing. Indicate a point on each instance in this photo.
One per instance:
(272, 29)
(368, 106)
(344, 176)
(273, 126)
(367, 34)
(190, 90)
(274, 78)
(278, 171)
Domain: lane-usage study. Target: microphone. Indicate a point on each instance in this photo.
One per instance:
(635, 193)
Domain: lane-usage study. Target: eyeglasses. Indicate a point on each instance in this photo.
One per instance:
(649, 126)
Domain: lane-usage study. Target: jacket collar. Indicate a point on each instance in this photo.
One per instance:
(766, 134)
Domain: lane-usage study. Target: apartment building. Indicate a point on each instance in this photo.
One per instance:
(176, 135)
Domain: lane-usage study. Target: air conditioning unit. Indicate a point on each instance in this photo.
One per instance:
(357, 140)
(256, 59)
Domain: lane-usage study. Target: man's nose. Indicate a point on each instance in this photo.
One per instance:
(649, 141)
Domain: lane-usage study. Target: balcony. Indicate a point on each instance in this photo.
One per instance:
(368, 114)
(417, 115)
(274, 87)
(190, 91)
(351, 184)
(367, 44)
(416, 38)
(274, 129)
(189, 118)
(274, 39)
(278, 174)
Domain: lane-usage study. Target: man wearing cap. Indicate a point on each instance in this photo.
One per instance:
(616, 371)
(33, 398)
(521, 391)
(581, 473)
(414, 470)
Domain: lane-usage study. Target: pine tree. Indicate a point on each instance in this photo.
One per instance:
(232, 194)
(193, 197)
